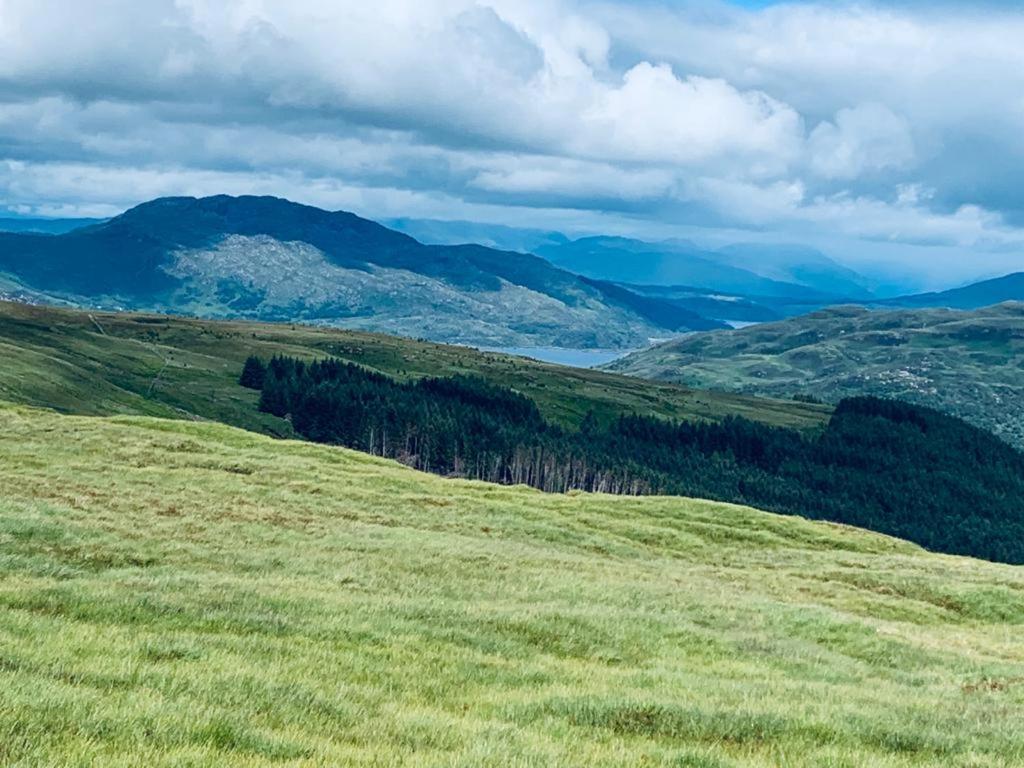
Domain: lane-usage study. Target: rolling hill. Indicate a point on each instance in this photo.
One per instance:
(270, 259)
(970, 364)
(180, 593)
(106, 363)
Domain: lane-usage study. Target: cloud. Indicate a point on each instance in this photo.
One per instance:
(877, 124)
(862, 140)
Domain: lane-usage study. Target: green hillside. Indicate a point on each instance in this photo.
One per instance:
(970, 364)
(179, 594)
(104, 363)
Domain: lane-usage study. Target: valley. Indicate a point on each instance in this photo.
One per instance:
(490, 384)
(107, 363)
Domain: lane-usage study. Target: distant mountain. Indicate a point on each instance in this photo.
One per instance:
(45, 226)
(679, 262)
(270, 259)
(798, 264)
(720, 306)
(981, 294)
(801, 275)
(968, 363)
(439, 232)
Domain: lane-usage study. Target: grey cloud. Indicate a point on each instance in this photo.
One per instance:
(801, 119)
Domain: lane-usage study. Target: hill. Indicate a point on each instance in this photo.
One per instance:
(970, 364)
(180, 593)
(981, 294)
(956, 485)
(270, 259)
(105, 363)
(732, 308)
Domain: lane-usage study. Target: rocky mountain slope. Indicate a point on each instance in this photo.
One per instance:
(270, 259)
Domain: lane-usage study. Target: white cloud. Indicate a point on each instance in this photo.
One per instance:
(852, 119)
(863, 139)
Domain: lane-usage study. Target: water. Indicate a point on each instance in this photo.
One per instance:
(575, 358)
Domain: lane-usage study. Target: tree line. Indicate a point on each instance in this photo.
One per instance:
(892, 467)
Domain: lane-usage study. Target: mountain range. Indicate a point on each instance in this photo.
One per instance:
(271, 259)
(756, 269)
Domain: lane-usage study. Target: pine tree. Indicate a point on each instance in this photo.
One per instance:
(253, 373)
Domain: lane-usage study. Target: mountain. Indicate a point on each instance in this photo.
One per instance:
(973, 296)
(45, 226)
(270, 259)
(788, 270)
(625, 260)
(968, 363)
(798, 264)
(504, 238)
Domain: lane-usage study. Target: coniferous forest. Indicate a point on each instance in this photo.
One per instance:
(888, 466)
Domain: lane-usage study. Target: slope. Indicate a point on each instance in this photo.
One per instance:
(189, 594)
(271, 259)
(625, 260)
(980, 294)
(798, 264)
(970, 364)
(792, 267)
(103, 363)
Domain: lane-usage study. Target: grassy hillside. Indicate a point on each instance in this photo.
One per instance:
(970, 364)
(102, 363)
(177, 593)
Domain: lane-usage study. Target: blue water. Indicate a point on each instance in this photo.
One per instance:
(575, 358)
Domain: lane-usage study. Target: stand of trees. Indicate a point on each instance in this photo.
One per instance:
(892, 467)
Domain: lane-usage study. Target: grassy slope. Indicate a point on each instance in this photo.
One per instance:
(970, 364)
(174, 593)
(162, 366)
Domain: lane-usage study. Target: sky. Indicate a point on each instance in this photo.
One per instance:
(887, 134)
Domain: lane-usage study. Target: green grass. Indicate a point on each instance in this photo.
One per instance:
(187, 594)
(967, 363)
(156, 365)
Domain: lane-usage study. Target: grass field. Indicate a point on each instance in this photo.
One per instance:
(187, 594)
(96, 363)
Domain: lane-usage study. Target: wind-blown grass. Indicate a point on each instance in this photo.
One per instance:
(176, 593)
